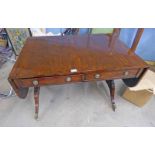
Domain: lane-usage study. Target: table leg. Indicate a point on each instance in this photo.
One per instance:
(111, 86)
(36, 99)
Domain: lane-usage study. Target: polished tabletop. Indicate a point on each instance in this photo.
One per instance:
(58, 55)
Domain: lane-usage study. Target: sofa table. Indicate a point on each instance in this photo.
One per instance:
(53, 60)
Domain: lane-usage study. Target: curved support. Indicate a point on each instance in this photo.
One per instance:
(111, 86)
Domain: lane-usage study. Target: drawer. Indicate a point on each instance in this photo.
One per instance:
(50, 80)
(110, 75)
(77, 78)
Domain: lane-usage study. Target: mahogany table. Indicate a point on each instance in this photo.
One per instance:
(53, 60)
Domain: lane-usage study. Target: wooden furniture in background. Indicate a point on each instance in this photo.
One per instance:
(74, 58)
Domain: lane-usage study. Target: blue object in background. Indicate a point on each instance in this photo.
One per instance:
(145, 48)
(127, 36)
(83, 31)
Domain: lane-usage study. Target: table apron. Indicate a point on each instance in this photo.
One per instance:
(93, 76)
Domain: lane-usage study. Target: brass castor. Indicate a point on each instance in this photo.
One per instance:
(113, 107)
(36, 116)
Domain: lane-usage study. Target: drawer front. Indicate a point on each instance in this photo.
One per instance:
(77, 78)
(111, 75)
(50, 80)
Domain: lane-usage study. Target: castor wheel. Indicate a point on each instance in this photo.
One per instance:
(36, 116)
(113, 107)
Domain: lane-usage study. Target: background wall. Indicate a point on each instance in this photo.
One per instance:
(145, 49)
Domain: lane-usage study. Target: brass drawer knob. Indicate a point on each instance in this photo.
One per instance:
(126, 73)
(97, 76)
(35, 82)
(68, 79)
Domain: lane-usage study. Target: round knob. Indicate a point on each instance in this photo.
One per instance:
(126, 73)
(68, 79)
(35, 82)
(97, 76)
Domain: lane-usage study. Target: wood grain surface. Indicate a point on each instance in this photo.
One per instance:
(57, 55)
